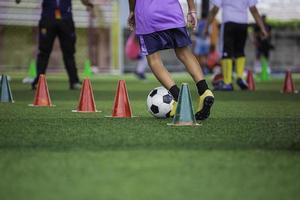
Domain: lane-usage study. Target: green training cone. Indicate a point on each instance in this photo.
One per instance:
(264, 69)
(5, 92)
(184, 115)
(32, 69)
(87, 71)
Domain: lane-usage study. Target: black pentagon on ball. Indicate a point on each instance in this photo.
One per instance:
(154, 92)
(167, 99)
(154, 109)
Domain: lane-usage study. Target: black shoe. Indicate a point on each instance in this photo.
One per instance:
(205, 112)
(33, 86)
(206, 101)
(75, 86)
(223, 87)
(242, 84)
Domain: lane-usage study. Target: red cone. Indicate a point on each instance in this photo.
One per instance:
(250, 81)
(121, 108)
(289, 86)
(42, 97)
(86, 99)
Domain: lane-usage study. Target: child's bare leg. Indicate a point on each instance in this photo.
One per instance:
(162, 74)
(206, 98)
(185, 55)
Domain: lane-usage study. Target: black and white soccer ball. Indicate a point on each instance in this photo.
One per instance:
(160, 102)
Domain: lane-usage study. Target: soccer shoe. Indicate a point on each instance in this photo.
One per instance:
(33, 86)
(174, 107)
(75, 86)
(206, 100)
(242, 84)
(223, 87)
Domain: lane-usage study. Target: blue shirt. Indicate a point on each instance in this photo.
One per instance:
(49, 7)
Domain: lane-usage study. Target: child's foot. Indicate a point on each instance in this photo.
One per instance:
(223, 87)
(206, 101)
(242, 84)
(174, 107)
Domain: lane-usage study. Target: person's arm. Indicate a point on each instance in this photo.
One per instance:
(192, 14)
(258, 21)
(211, 16)
(131, 17)
(131, 5)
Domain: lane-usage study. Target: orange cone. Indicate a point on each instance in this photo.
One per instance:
(289, 86)
(121, 107)
(86, 99)
(250, 81)
(42, 97)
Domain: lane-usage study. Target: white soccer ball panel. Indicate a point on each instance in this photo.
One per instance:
(157, 99)
(159, 102)
(162, 91)
(165, 108)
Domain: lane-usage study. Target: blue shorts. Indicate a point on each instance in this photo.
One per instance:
(202, 47)
(166, 39)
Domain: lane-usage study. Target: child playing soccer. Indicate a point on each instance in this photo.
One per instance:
(235, 24)
(160, 24)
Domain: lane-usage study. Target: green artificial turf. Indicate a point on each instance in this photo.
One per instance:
(248, 149)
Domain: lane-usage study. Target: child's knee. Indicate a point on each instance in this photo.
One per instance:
(182, 54)
(153, 61)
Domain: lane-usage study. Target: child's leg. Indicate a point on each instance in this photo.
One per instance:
(239, 46)
(141, 68)
(185, 55)
(141, 65)
(206, 97)
(162, 74)
(228, 52)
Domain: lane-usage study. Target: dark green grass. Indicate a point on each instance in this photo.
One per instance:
(248, 149)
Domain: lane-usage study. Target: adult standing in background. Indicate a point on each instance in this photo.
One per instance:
(57, 20)
(202, 45)
(234, 26)
(263, 45)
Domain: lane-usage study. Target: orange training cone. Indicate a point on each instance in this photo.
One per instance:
(42, 97)
(86, 99)
(121, 107)
(250, 81)
(289, 86)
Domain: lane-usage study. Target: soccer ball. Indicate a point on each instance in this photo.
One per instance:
(160, 102)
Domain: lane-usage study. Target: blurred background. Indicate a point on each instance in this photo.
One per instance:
(101, 38)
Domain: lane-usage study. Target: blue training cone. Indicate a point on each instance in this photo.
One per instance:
(5, 91)
(184, 115)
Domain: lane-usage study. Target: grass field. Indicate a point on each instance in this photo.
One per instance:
(248, 149)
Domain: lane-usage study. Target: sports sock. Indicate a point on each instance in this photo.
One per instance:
(240, 65)
(174, 90)
(227, 70)
(201, 86)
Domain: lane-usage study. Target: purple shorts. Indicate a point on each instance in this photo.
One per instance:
(166, 39)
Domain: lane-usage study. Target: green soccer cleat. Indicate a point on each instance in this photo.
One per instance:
(206, 100)
(174, 107)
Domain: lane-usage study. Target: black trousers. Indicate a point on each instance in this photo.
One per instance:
(235, 36)
(65, 30)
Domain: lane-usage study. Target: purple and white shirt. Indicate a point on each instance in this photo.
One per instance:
(158, 15)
